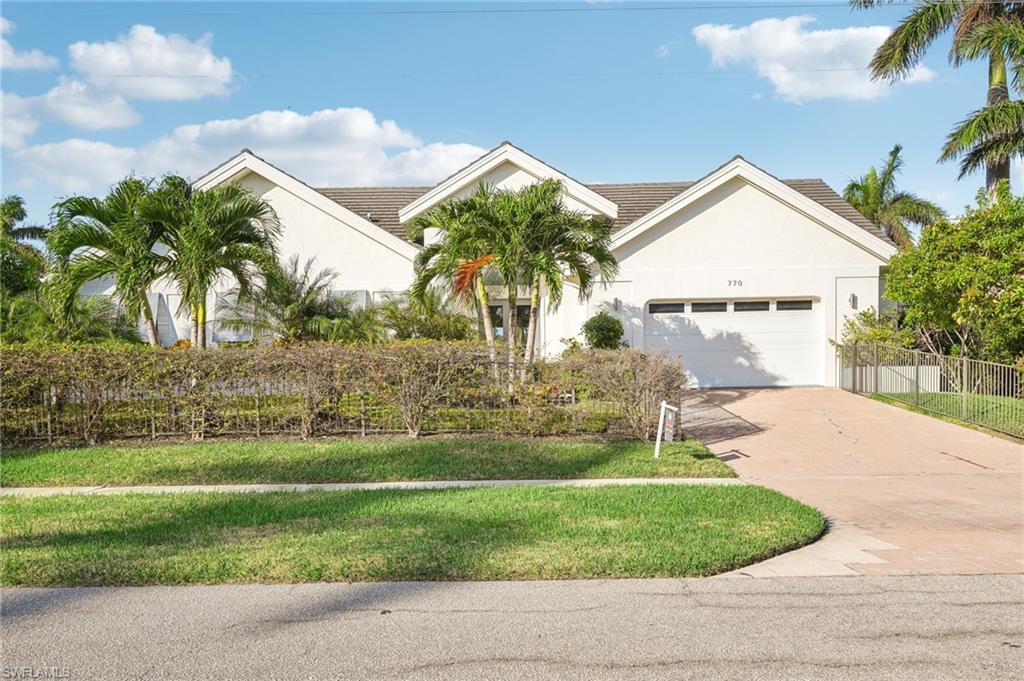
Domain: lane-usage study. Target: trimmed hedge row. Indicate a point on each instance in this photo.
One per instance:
(69, 394)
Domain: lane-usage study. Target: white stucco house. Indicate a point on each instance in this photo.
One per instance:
(744, 276)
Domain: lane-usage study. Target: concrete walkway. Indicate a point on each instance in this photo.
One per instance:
(350, 486)
(904, 493)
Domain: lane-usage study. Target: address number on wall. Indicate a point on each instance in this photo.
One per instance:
(735, 282)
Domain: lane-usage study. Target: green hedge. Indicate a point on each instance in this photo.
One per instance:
(89, 393)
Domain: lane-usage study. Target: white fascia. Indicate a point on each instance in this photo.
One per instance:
(741, 168)
(507, 153)
(246, 161)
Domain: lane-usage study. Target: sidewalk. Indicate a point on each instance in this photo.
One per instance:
(351, 486)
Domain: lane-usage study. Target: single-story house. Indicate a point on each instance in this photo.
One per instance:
(745, 276)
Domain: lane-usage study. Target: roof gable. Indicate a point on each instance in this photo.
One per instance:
(247, 162)
(506, 153)
(839, 217)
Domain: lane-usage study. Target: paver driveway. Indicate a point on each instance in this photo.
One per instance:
(904, 493)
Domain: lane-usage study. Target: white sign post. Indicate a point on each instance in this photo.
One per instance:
(666, 426)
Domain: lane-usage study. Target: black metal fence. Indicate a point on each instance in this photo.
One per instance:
(984, 393)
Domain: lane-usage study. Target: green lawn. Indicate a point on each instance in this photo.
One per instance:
(353, 460)
(1000, 413)
(458, 534)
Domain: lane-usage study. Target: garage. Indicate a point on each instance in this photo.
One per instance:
(741, 343)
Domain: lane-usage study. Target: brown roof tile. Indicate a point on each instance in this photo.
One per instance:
(380, 205)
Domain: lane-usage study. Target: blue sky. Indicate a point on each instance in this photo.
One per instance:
(390, 93)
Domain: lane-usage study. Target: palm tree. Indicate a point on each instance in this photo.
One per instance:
(28, 318)
(96, 238)
(877, 199)
(459, 257)
(427, 316)
(355, 325)
(13, 237)
(902, 51)
(993, 135)
(561, 243)
(293, 304)
(211, 234)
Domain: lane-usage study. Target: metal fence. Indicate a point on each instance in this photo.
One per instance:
(984, 393)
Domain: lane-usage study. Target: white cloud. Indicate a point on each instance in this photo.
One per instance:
(29, 60)
(327, 147)
(665, 49)
(76, 165)
(145, 64)
(17, 121)
(803, 64)
(77, 104)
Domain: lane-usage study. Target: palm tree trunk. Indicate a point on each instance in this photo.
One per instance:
(147, 315)
(510, 334)
(532, 327)
(194, 335)
(997, 92)
(201, 325)
(484, 300)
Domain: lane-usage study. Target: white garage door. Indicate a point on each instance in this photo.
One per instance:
(741, 343)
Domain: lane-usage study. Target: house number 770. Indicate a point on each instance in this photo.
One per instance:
(735, 282)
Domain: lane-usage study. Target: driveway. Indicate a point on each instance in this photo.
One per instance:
(904, 493)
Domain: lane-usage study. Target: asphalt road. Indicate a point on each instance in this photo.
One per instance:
(936, 627)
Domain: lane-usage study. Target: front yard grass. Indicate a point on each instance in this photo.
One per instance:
(353, 461)
(1000, 416)
(455, 534)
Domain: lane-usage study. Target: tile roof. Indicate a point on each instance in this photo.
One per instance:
(380, 205)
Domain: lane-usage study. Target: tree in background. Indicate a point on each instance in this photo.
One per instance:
(110, 237)
(876, 197)
(211, 234)
(21, 263)
(903, 50)
(963, 286)
(993, 135)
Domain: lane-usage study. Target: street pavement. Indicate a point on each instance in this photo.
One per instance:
(864, 627)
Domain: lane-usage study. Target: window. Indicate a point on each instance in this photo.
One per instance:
(783, 305)
(709, 307)
(750, 306)
(498, 320)
(666, 308)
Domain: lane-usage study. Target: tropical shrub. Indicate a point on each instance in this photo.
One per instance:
(635, 382)
(869, 328)
(963, 286)
(604, 332)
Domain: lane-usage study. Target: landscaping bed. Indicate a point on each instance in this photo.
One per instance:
(457, 534)
(354, 460)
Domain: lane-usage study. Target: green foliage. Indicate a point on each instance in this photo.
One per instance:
(109, 237)
(59, 394)
(876, 197)
(18, 273)
(34, 319)
(604, 332)
(428, 315)
(869, 328)
(963, 286)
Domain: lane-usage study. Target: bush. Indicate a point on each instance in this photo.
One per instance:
(870, 328)
(87, 393)
(633, 381)
(604, 332)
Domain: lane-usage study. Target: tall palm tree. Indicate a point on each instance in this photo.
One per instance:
(293, 304)
(993, 134)
(903, 49)
(108, 237)
(561, 243)
(13, 236)
(876, 197)
(211, 234)
(459, 257)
